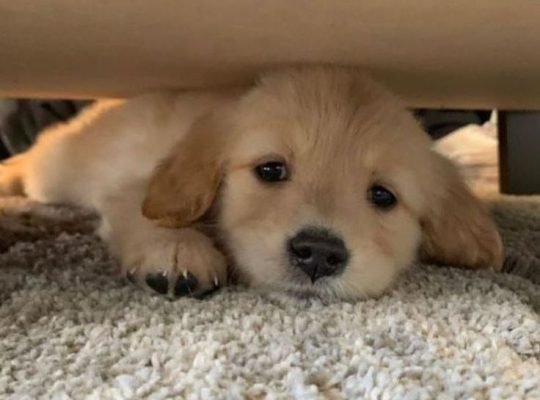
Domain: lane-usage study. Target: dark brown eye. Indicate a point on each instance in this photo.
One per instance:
(381, 197)
(273, 171)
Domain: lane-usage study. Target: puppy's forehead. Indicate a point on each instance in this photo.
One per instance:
(323, 114)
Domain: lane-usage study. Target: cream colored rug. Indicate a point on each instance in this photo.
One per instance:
(70, 329)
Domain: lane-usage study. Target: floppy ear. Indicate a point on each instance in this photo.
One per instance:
(185, 184)
(457, 229)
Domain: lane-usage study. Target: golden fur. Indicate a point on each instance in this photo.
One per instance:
(175, 156)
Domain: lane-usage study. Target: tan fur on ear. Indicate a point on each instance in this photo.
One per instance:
(457, 229)
(185, 184)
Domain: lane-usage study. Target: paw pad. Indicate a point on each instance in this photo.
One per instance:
(185, 285)
(158, 281)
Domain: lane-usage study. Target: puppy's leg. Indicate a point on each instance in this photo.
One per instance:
(11, 176)
(63, 164)
(91, 161)
(173, 262)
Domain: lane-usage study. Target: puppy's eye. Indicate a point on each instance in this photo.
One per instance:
(381, 197)
(273, 171)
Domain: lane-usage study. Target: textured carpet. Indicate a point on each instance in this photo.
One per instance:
(70, 329)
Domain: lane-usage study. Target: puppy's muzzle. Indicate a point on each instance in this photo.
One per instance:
(318, 253)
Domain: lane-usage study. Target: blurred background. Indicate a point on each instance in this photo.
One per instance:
(21, 120)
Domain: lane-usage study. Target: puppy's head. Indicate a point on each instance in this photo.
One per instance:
(326, 185)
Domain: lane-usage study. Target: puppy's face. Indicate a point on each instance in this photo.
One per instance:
(327, 186)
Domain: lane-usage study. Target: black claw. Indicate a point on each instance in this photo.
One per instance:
(158, 281)
(185, 285)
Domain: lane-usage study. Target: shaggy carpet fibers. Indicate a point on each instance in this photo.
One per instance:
(69, 328)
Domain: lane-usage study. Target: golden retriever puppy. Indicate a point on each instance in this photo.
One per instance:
(315, 180)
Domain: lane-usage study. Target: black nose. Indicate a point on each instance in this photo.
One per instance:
(318, 253)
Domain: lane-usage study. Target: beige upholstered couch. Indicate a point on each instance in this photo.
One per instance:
(457, 53)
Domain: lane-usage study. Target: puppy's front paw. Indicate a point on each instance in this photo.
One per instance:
(176, 264)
